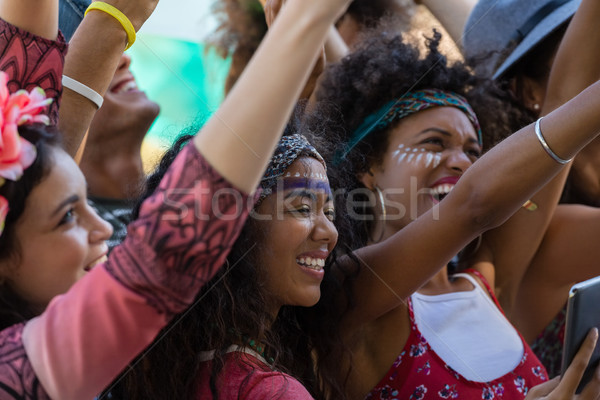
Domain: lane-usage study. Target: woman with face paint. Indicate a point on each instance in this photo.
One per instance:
(408, 145)
(52, 239)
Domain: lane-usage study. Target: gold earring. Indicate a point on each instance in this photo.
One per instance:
(383, 215)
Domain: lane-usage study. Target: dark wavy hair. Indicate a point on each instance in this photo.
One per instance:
(14, 309)
(229, 310)
(382, 68)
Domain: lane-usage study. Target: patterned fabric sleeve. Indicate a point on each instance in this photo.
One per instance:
(31, 61)
(87, 336)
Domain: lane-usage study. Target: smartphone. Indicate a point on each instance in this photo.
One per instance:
(583, 314)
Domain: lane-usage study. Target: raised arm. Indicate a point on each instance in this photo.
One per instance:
(515, 244)
(94, 54)
(87, 336)
(452, 14)
(485, 197)
(236, 150)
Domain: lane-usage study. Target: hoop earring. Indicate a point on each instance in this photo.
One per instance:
(384, 216)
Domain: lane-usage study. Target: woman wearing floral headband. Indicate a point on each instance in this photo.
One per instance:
(51, 237)
(408, 143)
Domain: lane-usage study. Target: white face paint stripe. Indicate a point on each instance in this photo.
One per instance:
(408, 155)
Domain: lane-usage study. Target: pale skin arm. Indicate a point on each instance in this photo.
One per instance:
(240, 138)
(39, 17)
(94, 53)
(485, 197)
(452, 14)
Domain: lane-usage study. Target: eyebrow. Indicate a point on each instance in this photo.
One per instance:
(445, 133)
(70, 200)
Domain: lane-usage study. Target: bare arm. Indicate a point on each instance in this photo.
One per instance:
(515, 244)
(240, 138)
(94, 53)
(485, 197)
(452, 14)
(39, 17)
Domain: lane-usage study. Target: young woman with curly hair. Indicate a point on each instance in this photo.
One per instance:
(253, 326)
(408, 138)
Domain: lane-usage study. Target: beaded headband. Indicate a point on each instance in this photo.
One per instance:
(409, 104)
(288, 150)
(16, 153)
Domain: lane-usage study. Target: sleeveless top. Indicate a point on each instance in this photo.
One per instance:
(420, 373)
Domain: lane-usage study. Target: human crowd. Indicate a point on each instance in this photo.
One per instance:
(366, 216)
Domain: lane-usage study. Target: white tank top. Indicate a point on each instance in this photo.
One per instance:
(469, 332)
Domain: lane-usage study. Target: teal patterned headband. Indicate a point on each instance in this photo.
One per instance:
(409, 104)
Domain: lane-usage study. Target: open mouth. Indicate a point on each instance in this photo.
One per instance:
(124, 87)
(441, 191)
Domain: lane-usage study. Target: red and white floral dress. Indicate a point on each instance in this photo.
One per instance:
(420, 373)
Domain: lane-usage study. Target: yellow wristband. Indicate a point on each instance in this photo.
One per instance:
(118, 15)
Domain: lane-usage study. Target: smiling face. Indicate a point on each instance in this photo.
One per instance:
(427, 153)
(59, 235)
(299, 234)
(126, 108)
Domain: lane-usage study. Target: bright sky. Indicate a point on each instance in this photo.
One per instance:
(182, 19)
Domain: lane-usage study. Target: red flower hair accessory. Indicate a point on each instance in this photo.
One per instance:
(16, 153)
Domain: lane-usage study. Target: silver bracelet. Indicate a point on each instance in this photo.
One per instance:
(538, 133)
(83, 90)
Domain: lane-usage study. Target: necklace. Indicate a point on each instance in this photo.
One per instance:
(256, 347)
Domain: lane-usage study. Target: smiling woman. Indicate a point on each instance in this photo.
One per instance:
(276, 267)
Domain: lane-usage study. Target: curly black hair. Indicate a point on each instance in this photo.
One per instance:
(384, 67)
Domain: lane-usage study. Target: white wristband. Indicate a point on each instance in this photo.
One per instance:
(83, 90)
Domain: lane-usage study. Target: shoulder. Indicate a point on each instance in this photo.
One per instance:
(257, 381)
(275, 385)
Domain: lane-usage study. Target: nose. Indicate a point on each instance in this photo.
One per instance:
(99, 229)
(324, 231)
(124, 62)
(457, 160)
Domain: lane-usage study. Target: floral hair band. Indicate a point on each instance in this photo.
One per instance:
(16, 153)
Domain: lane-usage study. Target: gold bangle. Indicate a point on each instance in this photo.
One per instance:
(119, 16)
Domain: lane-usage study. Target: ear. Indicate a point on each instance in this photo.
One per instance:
(530, 92)
(368, 179)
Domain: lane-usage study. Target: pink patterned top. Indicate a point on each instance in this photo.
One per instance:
(419, 373)
(88, 335)
(31, 61)
(247, 376)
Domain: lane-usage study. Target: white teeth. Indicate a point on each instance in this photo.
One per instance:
(442, 189)
(312, 263)
(129, 86)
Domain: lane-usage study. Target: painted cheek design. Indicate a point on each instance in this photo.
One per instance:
(416, 156)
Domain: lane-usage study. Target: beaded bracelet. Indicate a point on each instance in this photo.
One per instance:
(83, 90)
(538, 133)
(119, 16)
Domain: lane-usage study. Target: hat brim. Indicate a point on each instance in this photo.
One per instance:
(544, 28)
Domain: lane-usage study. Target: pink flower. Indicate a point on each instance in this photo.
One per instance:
(22, 107)
(3, 212)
